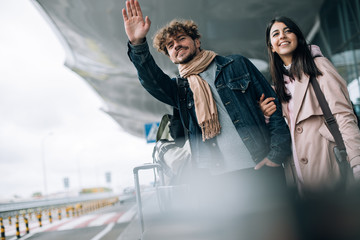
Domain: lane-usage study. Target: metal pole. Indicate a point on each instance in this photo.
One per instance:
(43, 162)
(138, 200)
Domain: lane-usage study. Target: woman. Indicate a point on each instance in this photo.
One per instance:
(313, 167)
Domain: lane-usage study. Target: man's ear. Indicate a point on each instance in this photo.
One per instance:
(197, 43)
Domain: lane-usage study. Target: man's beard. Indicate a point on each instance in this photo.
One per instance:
(188, 58)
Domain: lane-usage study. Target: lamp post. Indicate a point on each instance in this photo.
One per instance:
(78, 159)
(43, 161)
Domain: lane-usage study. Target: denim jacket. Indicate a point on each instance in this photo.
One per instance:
(240, 85)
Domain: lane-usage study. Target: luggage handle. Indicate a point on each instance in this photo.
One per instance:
(137, 187)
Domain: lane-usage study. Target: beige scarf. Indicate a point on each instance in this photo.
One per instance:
(205, 106)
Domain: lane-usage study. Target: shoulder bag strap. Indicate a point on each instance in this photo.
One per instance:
(329, 117)
(182, 97)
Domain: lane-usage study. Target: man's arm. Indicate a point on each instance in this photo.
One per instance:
(280, 139)
(153, 79)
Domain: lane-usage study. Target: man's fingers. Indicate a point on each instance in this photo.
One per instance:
(272, 164)
(128, 9)
(266, 162)
(125, 16)
(138, 9)
(133, 8)
(147, 22)
(260, 165)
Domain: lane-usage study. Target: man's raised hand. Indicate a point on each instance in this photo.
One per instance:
(135, 26)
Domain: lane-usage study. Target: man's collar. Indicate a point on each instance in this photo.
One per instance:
(222, 61)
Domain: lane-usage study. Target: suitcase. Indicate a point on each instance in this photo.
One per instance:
(169, 198)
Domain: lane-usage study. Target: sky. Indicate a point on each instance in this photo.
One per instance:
(51, 125)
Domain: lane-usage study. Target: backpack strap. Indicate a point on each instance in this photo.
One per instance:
(182, 98)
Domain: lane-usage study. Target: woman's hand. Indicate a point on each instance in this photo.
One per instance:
(267, 106)
(135, 26)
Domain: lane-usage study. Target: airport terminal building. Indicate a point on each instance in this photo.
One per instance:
(338, 35)
(95, 42)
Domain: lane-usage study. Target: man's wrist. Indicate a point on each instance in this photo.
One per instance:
(137, 41)
(138, 49)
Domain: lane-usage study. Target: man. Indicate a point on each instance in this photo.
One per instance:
(228, 135)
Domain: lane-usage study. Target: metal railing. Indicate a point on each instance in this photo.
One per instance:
(14, 208)
(67, 207)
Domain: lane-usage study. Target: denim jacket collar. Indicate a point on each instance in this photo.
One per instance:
(220, 63)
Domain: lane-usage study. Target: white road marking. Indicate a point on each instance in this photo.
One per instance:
(104, 232)
(101, 220)
(76, 222)
(128, 216)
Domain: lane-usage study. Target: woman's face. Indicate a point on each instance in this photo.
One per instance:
(283, 41)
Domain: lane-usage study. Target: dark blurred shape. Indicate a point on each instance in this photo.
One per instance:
(331, 216)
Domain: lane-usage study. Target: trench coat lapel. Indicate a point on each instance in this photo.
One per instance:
(299, 94)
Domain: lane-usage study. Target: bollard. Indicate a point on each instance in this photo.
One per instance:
(17, 227)
(73, 211)
(2, 229)
(67, 212)
(81, 209)
(39, 218)
(26, 225)
(50, 217)
(78, 209)
(59, 213)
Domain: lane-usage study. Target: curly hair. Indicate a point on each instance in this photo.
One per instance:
(171, 29)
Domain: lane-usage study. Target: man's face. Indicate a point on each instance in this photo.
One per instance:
(182, 48)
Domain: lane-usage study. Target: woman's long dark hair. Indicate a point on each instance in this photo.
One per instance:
(302, 60)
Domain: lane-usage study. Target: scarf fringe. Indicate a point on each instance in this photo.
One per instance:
(210, 128)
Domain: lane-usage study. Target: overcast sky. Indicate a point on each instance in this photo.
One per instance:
(48, 114)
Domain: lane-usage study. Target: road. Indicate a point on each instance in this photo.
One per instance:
(106, 223)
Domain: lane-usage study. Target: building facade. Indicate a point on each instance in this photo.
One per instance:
(339, 39)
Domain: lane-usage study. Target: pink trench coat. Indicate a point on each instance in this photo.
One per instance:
(312, 139)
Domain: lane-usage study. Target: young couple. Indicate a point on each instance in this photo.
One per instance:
(229, 135)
